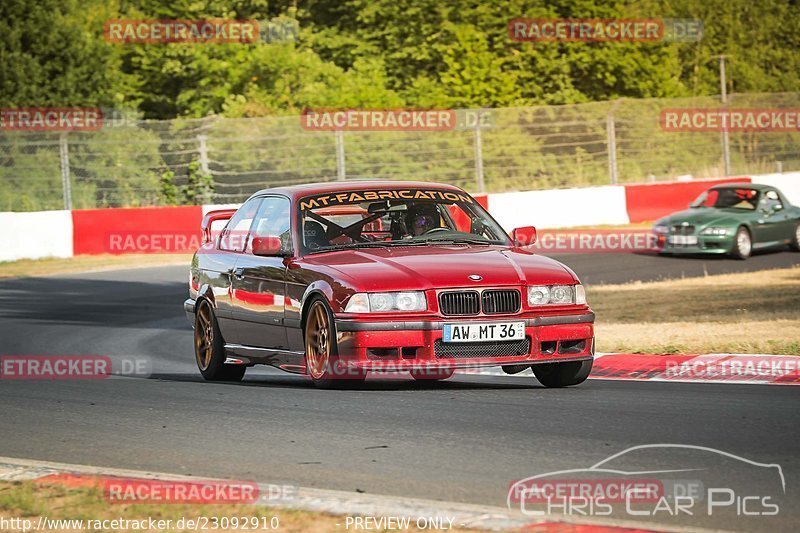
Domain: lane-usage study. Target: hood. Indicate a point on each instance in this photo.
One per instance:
(406, 268)
(703, 216)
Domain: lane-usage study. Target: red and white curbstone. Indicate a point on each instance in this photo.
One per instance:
(758, 369)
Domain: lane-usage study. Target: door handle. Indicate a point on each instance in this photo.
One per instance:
(238, 273)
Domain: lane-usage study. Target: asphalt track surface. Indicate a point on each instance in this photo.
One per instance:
(464, 440)
(623, 268)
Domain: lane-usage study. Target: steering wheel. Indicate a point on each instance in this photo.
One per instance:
(436, 230)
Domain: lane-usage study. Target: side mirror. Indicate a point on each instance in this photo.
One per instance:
(267, 246)
(524, 236)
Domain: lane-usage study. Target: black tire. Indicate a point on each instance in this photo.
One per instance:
(209, 347)
(322, 350)
(742, 244)
(554, 375)
(795, 243)
(432, 375)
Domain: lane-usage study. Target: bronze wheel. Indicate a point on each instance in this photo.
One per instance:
(209, 347)
(318, 341)
(204, 337)
(322, 352)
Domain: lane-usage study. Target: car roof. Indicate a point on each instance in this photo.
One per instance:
(744, 185)
(309, 189)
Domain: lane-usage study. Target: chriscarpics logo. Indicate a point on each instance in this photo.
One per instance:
(657, 481)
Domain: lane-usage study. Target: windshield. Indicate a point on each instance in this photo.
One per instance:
(400, 217)
(728, 197)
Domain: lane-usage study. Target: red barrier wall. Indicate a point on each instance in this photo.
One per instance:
(649, 202)
(137, 230)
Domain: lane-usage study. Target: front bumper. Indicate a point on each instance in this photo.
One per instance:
(706, 244)
(188, 308)
(417, 345)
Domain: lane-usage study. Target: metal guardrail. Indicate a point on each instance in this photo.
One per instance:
(139, 163)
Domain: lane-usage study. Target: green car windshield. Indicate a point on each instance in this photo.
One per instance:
(728, 198)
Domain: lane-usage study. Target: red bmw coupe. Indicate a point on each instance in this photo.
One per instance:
(338, 279)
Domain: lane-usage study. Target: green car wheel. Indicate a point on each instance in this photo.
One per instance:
(742, 244)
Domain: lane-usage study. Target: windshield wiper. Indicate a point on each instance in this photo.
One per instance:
(334, 247)
(457, 241)
(392, 244)
(371, 244)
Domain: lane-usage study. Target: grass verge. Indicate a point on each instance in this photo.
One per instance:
(30, 500)
(754, 312)
(84, 263)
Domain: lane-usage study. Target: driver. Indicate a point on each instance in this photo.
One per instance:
(422, 218)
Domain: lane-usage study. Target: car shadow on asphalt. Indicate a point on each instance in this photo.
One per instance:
(373, 383)
(94, 302)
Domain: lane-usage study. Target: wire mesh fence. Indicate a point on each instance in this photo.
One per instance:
(189, 161)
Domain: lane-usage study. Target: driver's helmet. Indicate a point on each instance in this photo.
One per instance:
(422, 217)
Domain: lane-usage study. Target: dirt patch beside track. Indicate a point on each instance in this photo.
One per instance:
(754, 312)
(87, 263)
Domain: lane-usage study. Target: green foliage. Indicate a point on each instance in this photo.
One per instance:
(381, 53)
(376, 54)
(199, 187)
(169, 191)
(53, 54)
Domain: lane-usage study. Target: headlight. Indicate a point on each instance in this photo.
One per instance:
(661, 228)
(556, 294)
(561, 294)
(538, 295)
(382, 302)
(714, 231)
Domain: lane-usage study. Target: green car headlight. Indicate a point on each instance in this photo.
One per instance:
(714, 231)
(661, 228)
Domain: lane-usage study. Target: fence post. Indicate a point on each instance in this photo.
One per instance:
(63, 153)
(341, 174)
(202, 148)
(723, 95)
(479, 181)
(611, 135)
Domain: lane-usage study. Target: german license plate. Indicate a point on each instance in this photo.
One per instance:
(682, 239)
(502, 331)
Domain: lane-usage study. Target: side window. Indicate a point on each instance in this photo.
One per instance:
(234, 236)
(772, 200)
(272, 220)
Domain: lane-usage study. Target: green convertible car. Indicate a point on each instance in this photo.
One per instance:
(733, 219)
